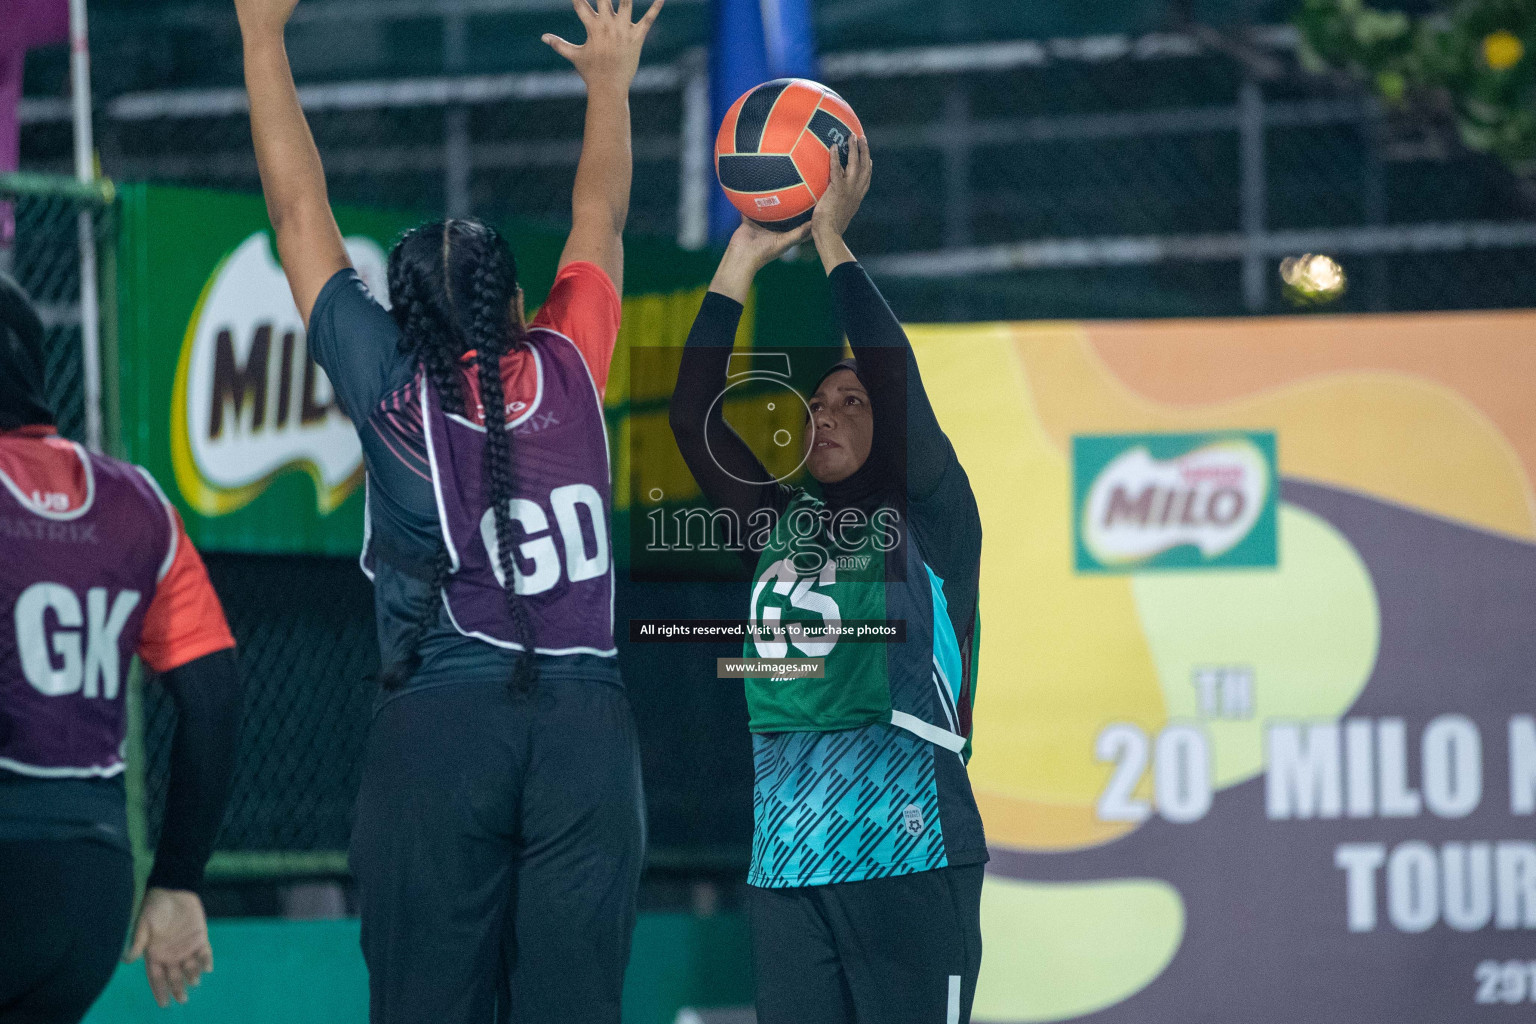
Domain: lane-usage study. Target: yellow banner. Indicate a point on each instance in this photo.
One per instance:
(1206, 783)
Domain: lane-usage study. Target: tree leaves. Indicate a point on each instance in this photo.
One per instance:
(1475, 61)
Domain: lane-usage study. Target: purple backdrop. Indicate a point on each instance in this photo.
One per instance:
(23, 25)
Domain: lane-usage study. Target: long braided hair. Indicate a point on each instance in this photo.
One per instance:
(453, 284)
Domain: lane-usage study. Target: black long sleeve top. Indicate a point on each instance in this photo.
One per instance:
(908, 448)
(202, 768)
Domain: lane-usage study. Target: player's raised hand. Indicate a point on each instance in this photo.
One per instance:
(611, 54)
(752, 248)
(172, 936)
(264, 16)
(846, 189)
(760, 246)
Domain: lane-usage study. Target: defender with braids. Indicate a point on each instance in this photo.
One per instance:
(500, 828)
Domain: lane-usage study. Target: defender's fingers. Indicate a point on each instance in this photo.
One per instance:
(627, 9)
(584, 10)
(560, 46)
(650, 16)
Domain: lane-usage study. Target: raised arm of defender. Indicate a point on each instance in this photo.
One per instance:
(308, 241)
(607, 62)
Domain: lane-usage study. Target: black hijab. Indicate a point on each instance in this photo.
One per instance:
(21, 360)
(869, 485)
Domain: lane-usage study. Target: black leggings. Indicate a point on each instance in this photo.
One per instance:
(902, 950)
(64, 908)
(497, 851)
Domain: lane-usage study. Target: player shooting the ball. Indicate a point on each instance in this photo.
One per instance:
(868, 852)
(499, 831)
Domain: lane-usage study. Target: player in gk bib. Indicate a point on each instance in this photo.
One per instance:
(96, 568)
(499, 830)
(868, 850)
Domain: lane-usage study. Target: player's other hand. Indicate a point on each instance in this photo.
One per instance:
(752, 248)
(611, 54)
(846, 190)
(264, 15)
(759, 246)
(172, 937)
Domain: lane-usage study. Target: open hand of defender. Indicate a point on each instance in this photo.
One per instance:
(611, 53)
(264, 15)
(172, 936)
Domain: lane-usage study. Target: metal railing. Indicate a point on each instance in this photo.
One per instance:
(957, 135)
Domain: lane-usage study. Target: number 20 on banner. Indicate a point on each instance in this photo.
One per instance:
(1181, 773)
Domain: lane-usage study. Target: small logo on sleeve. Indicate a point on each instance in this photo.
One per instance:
(912, 820)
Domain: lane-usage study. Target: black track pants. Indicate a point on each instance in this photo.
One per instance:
(497, 851)
(902, 950)
(64, 908)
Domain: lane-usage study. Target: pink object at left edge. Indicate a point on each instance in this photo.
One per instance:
(23, 25)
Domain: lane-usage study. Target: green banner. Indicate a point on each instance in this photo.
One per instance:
(220, 400)
(1174, 501)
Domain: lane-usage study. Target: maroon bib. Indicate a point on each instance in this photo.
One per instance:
(76, 583)
(560, 508)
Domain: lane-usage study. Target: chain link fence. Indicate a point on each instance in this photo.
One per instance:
(308, 660)
(1164, 174)
(308, 657)
(44, 257)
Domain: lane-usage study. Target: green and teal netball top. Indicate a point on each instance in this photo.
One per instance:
(860, 774)
(920, 685)
(848, 767)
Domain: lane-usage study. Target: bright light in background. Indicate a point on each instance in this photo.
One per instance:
(1502, 50)
(1313, 279)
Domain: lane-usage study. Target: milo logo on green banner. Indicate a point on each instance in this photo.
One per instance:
(248, 401)
(1174, 501)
